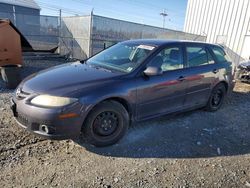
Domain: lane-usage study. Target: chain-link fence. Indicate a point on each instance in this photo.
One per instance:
(107, 31)
(41, 31)
(82, 36)
(75, 36)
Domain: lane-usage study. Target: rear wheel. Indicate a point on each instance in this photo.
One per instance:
(106, 124)
(216, 98)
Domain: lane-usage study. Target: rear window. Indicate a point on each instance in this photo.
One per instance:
(198, 56)
(220, 55)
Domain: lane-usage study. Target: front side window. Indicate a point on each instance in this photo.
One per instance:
(123, 57)
(221, 56)
(197, 56)
(168, 59)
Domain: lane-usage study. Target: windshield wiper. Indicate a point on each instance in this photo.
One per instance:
(84, 61)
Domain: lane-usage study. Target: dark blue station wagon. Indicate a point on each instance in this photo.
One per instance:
(131, 81)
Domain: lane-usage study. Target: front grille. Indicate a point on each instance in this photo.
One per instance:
(22, 119)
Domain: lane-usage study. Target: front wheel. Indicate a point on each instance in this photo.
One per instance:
(106, 124)
(216, 98)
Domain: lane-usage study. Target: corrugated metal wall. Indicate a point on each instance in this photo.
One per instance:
(222, 21)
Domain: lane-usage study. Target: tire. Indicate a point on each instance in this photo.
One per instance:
(11, 76)
(216, 98)
(106, 124)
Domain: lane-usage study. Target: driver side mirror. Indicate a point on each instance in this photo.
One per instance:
(153, 71)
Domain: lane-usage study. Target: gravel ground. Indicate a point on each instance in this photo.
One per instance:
(194, 149)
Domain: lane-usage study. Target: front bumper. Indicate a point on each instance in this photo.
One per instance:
(35, 119)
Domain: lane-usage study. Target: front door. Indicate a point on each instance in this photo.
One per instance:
(165, 93)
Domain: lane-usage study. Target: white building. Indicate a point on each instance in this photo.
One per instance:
(226, 22)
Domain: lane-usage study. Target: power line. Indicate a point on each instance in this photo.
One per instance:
(52, 7)
(67, 10)
(57, 8)
(124, 15)
(148, 5)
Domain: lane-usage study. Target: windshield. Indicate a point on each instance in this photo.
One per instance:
(121, 57)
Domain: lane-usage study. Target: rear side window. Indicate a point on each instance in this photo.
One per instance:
(220, 55)
(198, 56)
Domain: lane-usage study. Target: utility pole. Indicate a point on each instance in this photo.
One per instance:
(164, 15)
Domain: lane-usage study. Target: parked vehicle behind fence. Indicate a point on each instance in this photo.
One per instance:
(131, 81)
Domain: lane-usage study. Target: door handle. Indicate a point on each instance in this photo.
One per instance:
(181, 78)
(215, 71)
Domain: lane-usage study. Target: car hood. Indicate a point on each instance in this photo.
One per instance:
(245, 64)
(66, 78)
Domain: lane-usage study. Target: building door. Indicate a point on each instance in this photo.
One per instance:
(246, 48)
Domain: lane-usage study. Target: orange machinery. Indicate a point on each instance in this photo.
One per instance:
(12, 44)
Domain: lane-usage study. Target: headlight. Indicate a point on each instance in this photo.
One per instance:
(52, 101)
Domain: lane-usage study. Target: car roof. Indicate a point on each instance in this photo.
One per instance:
(160, 42)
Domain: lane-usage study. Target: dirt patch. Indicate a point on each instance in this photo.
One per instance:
(194, 149)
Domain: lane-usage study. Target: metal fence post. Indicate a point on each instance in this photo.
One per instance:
(14, 14)
(59, 31)
(90, 34)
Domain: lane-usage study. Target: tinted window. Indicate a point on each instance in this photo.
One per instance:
(197, 56)
(168, 59)
(220, 54)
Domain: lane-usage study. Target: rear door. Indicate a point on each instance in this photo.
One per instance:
(202, 73)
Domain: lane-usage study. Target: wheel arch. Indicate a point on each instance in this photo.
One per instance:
(120, 100)
(224, 83)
